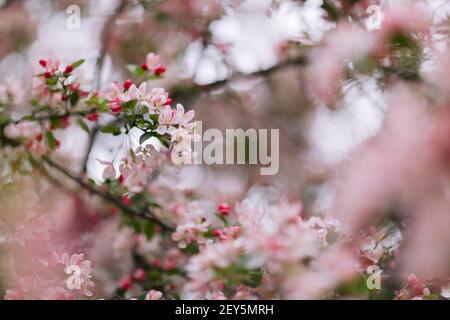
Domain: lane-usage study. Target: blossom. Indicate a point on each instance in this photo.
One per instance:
(192, 225)
(113, 91)
(167, 120)
(134, 171)
(184, 118)
(153, 63)
(153, 295)
(51, 67)
(135, 93)
(109, 172)
(79, 271)
(158, 98)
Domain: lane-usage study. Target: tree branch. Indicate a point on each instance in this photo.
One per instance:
(104, 39)
(299, 61)
(104, 195)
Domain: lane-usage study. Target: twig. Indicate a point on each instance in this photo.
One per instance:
(104, 195)
(50, 116)
(104, 39)
(92, 136)
(300, 61)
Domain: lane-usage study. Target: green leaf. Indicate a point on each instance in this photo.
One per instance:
(83, 125)
(78, 63)
(254, 278)
(51, 140)
(144, 137)
(149, 198)
(164, 141)
(144, 109)
(111, 129)
(74, 98)
(149, 229)
(91, 182)
(132, 154)
(154, 118)
(55, 121)
(130, 105)
(52, 80)
(222, 218)
(27, 118)
(141, 123)
(139, 72)
(4, 118)
(34, 103)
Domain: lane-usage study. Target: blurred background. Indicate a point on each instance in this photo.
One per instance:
(238, 64)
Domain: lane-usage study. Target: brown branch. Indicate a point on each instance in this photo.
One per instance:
(105, 195)
(50, 116)
(299, 61)
(92, 136)
(104, 39)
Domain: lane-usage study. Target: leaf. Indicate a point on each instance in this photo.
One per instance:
(144, 137)
(55, 121)
(149, 229)
(141, 123)
(154, 118)
(111, 129)
(34, 103)
(74, 97)
(51, 140)
(164, 141)
(144, 109)
(129, 105)
(139, 72)
(78, 63)
(222, 218)
(132, 154)
(149, 198)
(254, 278)
(27, 118)
(91, 182)
(52, 80)
(4, 118)
(83, 125)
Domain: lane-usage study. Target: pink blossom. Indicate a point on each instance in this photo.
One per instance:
(109, 172)
(153, 295)
(152, 61)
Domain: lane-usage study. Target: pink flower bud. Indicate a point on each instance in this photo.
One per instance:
(168, 102)
(126, 282)
(117, 108)
(223, 208)
(140, 274)
(127, 84)
(160, 70)
(93, 116)
(68, 69)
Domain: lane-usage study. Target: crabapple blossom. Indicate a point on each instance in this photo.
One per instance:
(154, 295)
(362, 183)
(81, 270)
